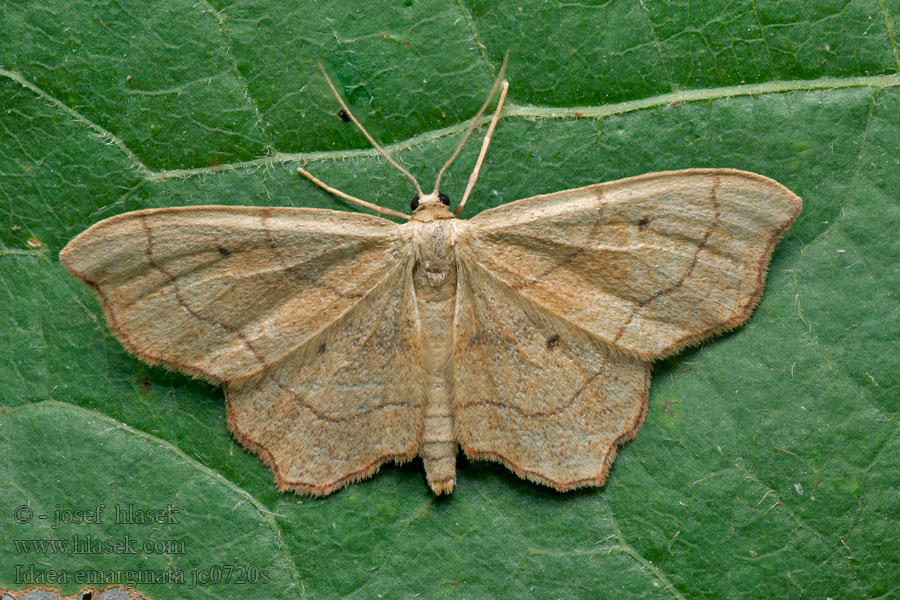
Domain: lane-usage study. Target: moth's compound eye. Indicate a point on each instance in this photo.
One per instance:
(415, 203)
(443, 197)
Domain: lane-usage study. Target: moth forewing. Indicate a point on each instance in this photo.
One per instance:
(647, 264)
(214, 290)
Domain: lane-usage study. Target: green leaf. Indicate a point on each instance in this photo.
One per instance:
(768, 463)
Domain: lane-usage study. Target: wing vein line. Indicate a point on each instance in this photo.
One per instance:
(329, 418)
(569, 257)
(545, 413)
(267, 233)
(314, 338)
(696, 259)
(148, 251)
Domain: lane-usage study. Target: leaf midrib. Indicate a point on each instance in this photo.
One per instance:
(511, 110)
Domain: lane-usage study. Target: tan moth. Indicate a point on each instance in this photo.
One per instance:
(523, 335)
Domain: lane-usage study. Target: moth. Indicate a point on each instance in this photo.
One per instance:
(524, 335)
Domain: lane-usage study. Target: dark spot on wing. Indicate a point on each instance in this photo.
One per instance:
(322, 348)
(644, 221)
(223, 251)
(553, 341)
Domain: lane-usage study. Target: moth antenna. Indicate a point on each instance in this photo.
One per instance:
(381, 209)
(487, 102)
(484, 146)
(366, 133)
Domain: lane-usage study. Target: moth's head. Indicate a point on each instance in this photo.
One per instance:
(428, 207)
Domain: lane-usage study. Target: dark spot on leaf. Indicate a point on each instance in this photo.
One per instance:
(223, 251)
(665, 407)
(645, 220)
(145, 384)
(553, 341)
(344, 116)
(453, 583)
(415, 203)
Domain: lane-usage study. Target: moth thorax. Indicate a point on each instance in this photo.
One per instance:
(435, 260)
